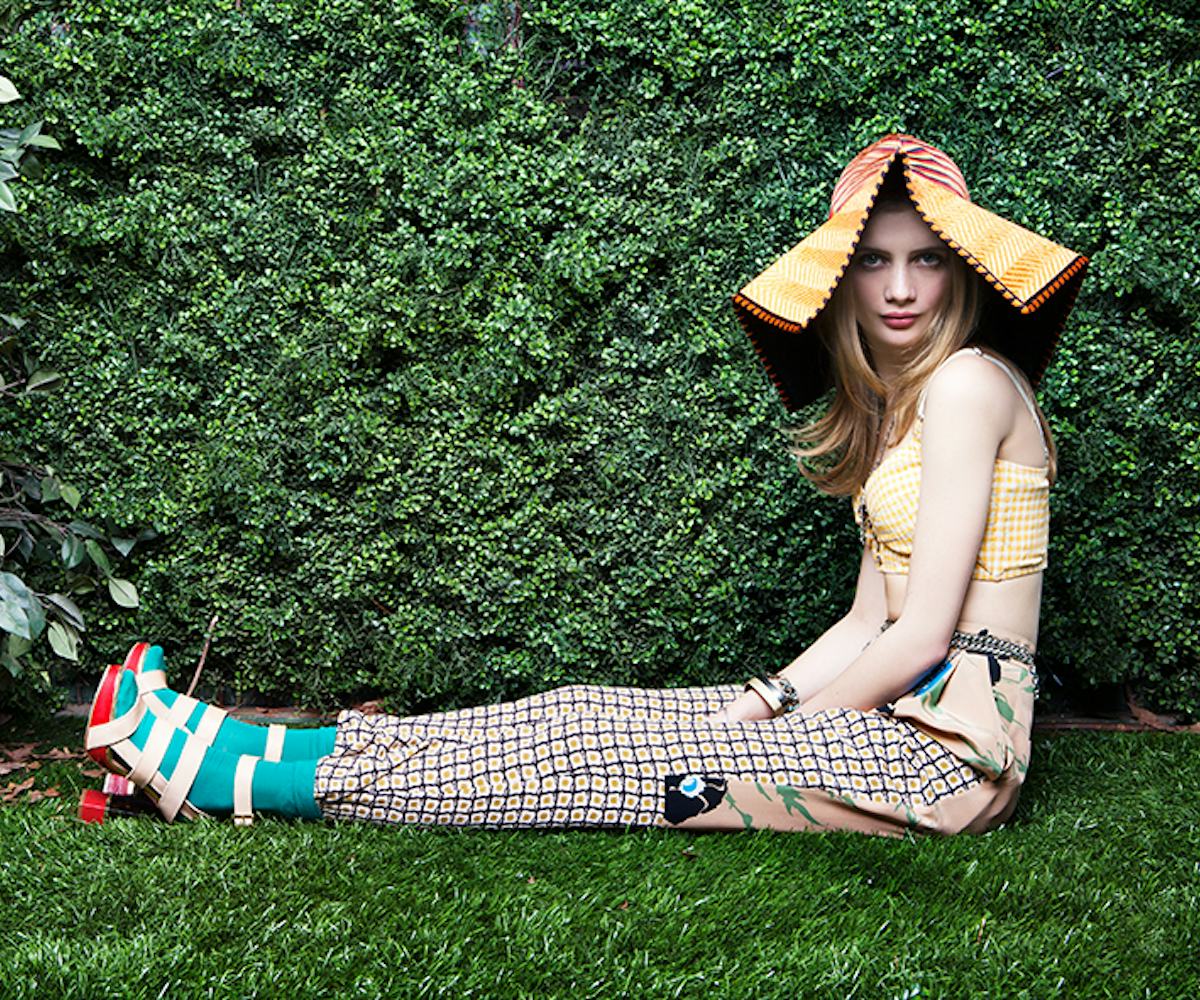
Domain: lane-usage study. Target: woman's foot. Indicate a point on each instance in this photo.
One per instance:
(185, 776)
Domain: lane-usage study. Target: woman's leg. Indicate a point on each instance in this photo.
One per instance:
(838, 769)
(275, 741)
(841, 769)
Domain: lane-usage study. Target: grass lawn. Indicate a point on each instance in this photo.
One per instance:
(1092, 891)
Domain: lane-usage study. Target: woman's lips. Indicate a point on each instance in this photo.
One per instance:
(899, 321)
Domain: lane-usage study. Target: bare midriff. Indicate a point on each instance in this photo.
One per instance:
(1006, 608)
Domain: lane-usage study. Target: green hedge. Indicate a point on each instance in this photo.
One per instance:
(416, 348)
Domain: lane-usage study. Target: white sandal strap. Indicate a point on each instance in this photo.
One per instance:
(275, 735)
(147, 763)
(182, 778)
(181, 710)
(105, 734)
(152, 680)
(127, 750)
(243, 783)
(210, 722)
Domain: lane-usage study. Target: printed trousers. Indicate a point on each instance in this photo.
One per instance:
(592, 756)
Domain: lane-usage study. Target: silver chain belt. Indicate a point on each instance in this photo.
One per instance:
(1002, 649)
(983, 642)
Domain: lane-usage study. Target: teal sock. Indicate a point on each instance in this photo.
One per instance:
(237, 737)
(285, 788)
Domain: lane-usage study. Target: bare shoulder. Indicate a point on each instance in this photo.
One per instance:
(971, 386)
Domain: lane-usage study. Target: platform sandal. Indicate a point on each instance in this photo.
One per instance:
(111, 742)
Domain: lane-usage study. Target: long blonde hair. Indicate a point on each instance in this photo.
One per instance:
(838, 451)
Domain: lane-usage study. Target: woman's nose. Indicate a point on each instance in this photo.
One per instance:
(899, 285)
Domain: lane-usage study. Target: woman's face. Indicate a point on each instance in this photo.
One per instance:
(900, 276)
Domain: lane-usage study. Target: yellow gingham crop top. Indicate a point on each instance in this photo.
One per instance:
(1018, 525)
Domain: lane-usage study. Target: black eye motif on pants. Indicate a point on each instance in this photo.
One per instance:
(688, 795)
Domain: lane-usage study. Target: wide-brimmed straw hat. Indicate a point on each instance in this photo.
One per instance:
(1036, 277)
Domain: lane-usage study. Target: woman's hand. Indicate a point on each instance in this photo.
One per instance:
(749, 707)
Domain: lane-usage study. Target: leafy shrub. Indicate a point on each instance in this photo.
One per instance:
(74, 555)
(417, 350)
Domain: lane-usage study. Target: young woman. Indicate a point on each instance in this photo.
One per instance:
(931, 319)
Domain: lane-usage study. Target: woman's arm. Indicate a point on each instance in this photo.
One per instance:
(834, 651)
(969, 410)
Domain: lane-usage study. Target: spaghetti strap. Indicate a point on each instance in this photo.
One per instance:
(1004, 367)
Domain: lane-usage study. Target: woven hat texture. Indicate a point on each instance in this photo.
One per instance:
(1035, 277)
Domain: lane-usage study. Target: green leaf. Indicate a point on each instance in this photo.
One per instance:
(123, 545)
(12, 588)
(16, 645)
(85, 530)
(43, 379)
(7, 201)
(8, 93)
(45, 142)
(31, 166)
(14, 321)
(68, 609)
(20, 611)
(14, 619)
(64, 640)
(28, 132)
(73, 552)
(71, 495)
(123, 592)
(37, 620)
(98, 556)
(51, 488)
(7, 171)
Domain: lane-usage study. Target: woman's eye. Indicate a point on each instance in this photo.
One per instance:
(932, 259)
(869, 260)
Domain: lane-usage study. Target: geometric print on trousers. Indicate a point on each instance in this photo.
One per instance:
(591, 756)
